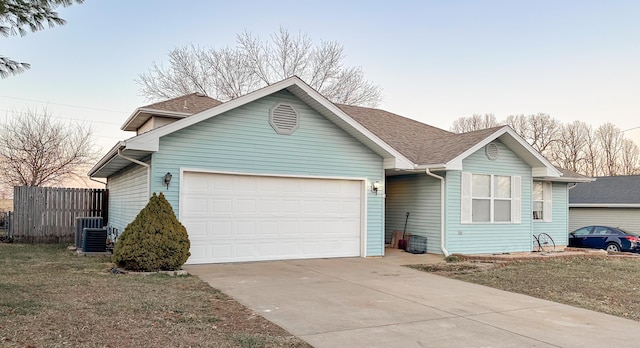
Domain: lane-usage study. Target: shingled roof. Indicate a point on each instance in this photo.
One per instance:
(405, 144)
(191, 103)
(421, 143)
(607, 190)
(407, 136)
(571, 174)
(177, 108)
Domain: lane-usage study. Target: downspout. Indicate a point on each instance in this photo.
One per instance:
(140, 163)
(442, 203)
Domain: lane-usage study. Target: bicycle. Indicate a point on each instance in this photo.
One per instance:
(544, 242)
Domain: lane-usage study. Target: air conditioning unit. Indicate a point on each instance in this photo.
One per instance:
(86, 222)
(94, 240)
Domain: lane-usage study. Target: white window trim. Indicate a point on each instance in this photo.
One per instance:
(466, 203)
(547, 199)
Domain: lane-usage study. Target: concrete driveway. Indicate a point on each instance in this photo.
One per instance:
(374, 302)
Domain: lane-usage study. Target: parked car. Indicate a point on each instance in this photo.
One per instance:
(605, 237)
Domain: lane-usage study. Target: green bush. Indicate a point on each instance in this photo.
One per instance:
(154, 241)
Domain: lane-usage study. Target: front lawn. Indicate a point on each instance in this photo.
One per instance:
(604, 284)
(50, 297)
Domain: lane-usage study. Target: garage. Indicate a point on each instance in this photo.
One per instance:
(234, 218)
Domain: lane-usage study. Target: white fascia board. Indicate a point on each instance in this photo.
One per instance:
(542, 172)
(563, 179)
(401, 160)
(547, 167)
(458, 160)
(106, 158)
(165, 112)
(149, 141)
(604, 205)
(145, 144)
(395, 163)
(551, 169)
(152, 112)
(153, 136)
(130, 118)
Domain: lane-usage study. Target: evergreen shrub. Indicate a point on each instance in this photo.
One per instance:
(154, 241)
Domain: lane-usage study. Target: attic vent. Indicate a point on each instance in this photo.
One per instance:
(491, 150)
(284, 119)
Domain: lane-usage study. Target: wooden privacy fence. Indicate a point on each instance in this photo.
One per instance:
(48, 214)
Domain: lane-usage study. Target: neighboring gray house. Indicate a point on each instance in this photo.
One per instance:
(609, 200)
(283, 173)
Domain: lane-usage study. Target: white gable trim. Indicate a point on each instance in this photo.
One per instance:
(149, 141)
(543, 167)
(133, 116)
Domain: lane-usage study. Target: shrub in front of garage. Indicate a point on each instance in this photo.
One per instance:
(154, 241)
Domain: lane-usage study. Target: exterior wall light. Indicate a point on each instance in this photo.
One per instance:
(375, 186)
(167, 179)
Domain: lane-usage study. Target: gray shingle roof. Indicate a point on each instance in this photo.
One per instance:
(566, 173)
(191, 103)
(607, 190)
(405, 135)
(420, 143)
(447, 148)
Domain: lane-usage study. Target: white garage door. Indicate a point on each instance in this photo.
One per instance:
(232, 218)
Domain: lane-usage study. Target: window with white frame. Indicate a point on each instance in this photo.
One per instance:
(489, 198)
(542, 192)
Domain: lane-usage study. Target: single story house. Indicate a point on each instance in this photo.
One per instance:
(609, 201)
(283, 173)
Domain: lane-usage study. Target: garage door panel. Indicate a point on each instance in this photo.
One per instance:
(196, 205)
(196, 183)
(289, 206)
(221, 229)
(198, 252)
(220, 205)
(245, 228)
(196, 229)
(268, 206)
(219, 250)
(233, 218)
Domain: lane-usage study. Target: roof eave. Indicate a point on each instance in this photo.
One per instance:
(139, 112)
(567, 179)
(106, 158)
(540, 165)
(149, 141)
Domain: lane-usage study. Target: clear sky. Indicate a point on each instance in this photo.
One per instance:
(435, 60)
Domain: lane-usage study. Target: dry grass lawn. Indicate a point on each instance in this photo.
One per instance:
(604, 284)
(51, 298)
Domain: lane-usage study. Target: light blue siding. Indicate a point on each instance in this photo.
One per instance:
(558, 227)
(418, 194)
(489, 237)
(127, 195)
(241, 140)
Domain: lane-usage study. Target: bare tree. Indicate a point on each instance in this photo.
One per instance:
(228, 73)
(592, 155)
(609, 139)
(569, 151)
(540, 130)
(474, 123)
(629, 158)
(16, 15)
(575, 146)
(35, 150)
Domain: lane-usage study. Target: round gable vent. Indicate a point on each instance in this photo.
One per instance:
(491, 150)
(284, 119)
